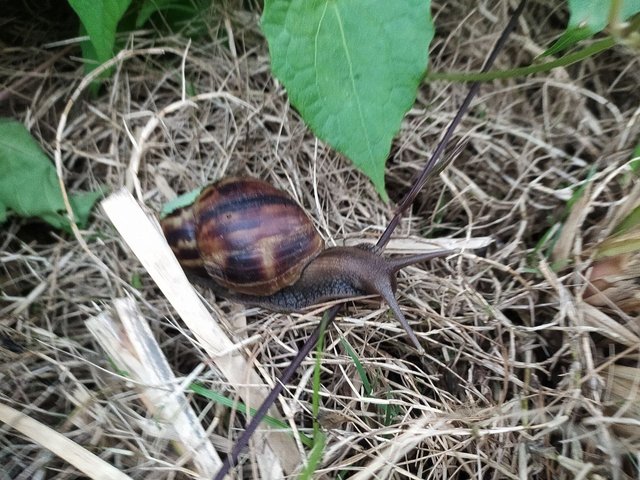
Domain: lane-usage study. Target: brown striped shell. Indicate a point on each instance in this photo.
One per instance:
(248, 236)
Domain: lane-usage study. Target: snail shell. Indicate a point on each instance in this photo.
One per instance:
(252, 243)
(248, 236)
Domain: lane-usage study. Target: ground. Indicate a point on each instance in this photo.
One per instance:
(523, 378)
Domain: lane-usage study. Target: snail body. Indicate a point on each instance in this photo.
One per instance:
(252, 243)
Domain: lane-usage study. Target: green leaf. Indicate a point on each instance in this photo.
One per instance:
(100, 19)
(82, 203)
(351, 68)
(180, 201)
(588, 17)
(91, 61)
(89, 53)
(28, 183)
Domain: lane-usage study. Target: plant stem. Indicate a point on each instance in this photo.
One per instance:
(315, 400)
(593, 49)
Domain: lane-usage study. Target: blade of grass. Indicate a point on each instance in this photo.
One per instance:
(315, 400)
(366, 384)
(314, 457)
(487, 76)
(319, 438)
(242, 408)
(243, 440)
(630, 221)
(389, 412)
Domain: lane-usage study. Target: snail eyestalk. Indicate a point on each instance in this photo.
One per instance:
(386, 289)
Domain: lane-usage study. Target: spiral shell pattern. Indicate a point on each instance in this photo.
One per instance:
(247, 235)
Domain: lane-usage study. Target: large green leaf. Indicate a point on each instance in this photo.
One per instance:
(351, 68)
(28, 182)
(100, 19)
(588, 17)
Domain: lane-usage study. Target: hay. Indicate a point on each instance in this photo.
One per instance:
(522, 379)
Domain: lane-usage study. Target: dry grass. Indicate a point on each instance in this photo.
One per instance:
(523, 379)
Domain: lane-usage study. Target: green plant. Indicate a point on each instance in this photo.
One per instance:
(28, 182)
(102, 20)
(353, 68)
(99, 19)
(589, 18)
(242, 408)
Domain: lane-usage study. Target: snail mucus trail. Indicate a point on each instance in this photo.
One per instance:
(252, 243)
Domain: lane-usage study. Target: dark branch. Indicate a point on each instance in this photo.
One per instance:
(243, 441)
(430, 167)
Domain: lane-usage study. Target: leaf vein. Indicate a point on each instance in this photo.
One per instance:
(353, 85)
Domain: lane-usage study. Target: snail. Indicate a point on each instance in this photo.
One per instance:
(253, 244)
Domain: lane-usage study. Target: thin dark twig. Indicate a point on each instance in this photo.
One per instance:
(286, 375)
(430, 169)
